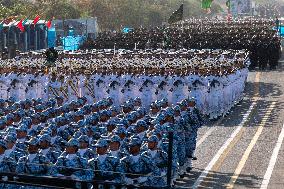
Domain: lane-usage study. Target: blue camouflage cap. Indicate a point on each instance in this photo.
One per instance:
(21, 112)
(112, 122)
(29, 101)
(192, 99)
(120, 129)
(33, 141)
(81, 101)
(84, 138)
(11, 99)
(39, 107)
(177, 108)
(115, 109)
(3, 144)
(2, 121)
(128, 105)
(134, 141)
(45, 137)
(142, 123)
(105, 113)
(22, 127)
(11, 137)
(2, 101)
(137, 99)
(101, 143)
(39, 100)
(77, 134)
(170, 111)
(21, 145)
(141, 111)
(9, 116)
(153, 138)
(73, 142)
(11, 129)
(115, 138)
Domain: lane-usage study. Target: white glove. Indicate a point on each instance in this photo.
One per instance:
(60, 175)
(74, 177)
(163, 173)
(4, 178)
(128, 181)
(142, 179)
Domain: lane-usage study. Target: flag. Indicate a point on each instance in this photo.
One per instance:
(49, 24)
(177, 15)
(9, 20)
(37, 18)
(25, 21)
(206, 4)
(228, 3)
(20, 26)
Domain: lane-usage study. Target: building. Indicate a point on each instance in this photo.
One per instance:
(33, 38)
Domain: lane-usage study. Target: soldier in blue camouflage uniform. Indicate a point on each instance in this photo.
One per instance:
(139, 169)
(12, 151)
(180, 132)
(157, 155)
(45, 149)
(71, 165)
(7, 164)
(84, 150)
(34, 163)
(196, 121)
(115, 147)
(105, 166)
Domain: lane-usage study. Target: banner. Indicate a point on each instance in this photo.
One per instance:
(238, 7)
(51, 36)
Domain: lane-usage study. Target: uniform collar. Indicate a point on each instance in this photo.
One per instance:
(44, 151)
(82, 151)
(71, 156)
(102, 158)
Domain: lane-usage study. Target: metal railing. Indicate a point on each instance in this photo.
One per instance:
(69, 183)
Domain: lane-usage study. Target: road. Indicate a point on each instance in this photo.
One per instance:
(244, 149)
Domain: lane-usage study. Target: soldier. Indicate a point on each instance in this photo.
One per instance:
(53, 87)
(12, 151)
(104, 166)
(139, 168)
(45, 149)
(70, 165)
(196, 121)
(84, 150)
(114, 147)
(34, 163)
(157, 155)
(8, 163)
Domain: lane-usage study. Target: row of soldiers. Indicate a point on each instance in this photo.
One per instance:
(123, 144)
(257, 36)
(215, 78)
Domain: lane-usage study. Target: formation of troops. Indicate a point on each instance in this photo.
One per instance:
(216, 78)
(255, 35)
(107, 114)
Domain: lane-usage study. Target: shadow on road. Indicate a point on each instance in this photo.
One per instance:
(220, 180)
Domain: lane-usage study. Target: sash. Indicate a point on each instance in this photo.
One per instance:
(54, 91)
(64, 92)
(90, 89)
(73, 87)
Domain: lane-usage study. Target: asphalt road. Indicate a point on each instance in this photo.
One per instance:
(244, 149)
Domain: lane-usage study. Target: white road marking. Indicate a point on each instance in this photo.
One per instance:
(272, 161)
(208, 132)
(250, 147)
(203, 138)
(223, 148)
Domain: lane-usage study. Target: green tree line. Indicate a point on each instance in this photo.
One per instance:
(111, 14)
